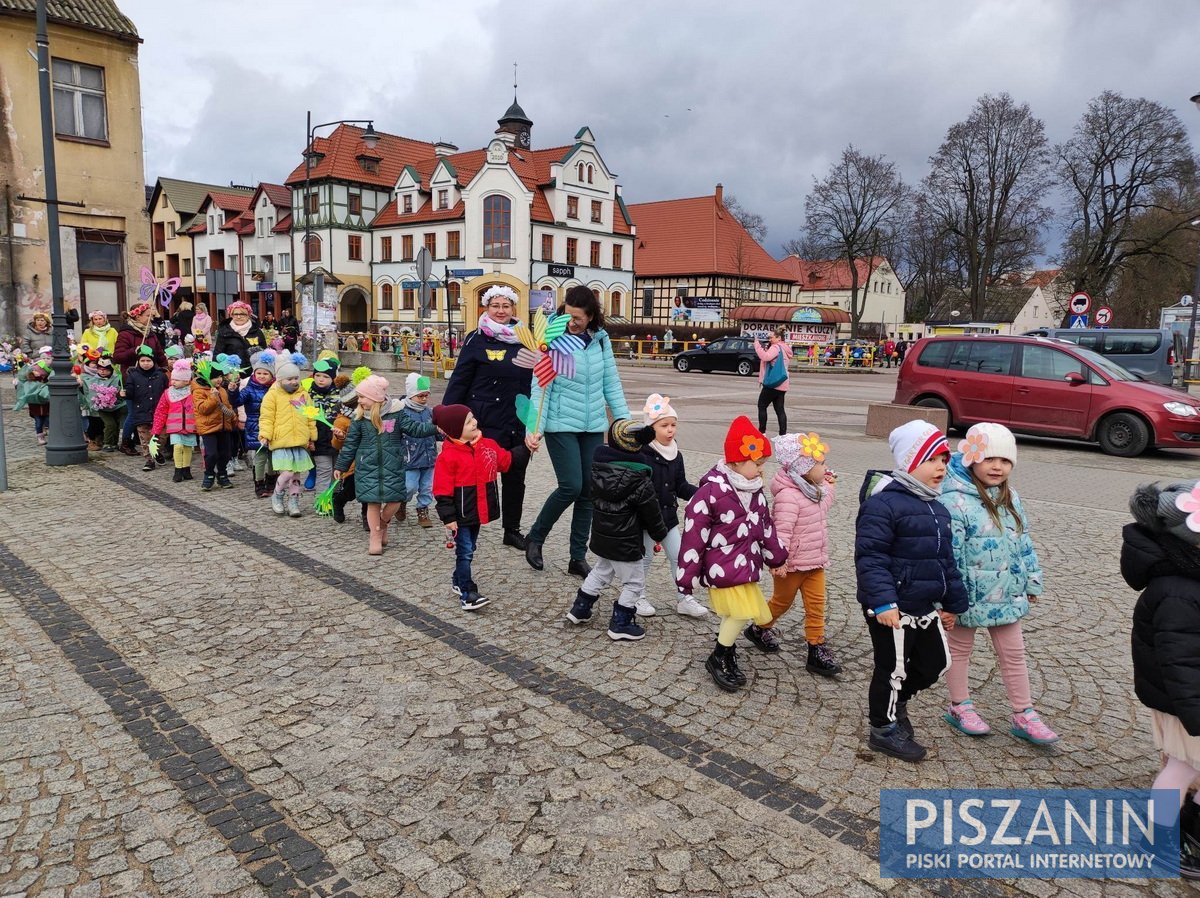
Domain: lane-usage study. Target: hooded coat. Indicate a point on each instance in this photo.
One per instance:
(250, 397)
(801, 523)
(378, 456)
(142, 391)
(624, 506)
(231, 342)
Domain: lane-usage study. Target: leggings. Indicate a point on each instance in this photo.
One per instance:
(730, 628)
(771, 396)
(811, 586)
(291, 482)
(1009, 644)
(183, 456)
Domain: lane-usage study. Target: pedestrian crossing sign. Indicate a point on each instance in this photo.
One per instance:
(1079, 321)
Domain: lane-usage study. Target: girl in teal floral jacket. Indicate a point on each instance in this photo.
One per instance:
(1001, 573)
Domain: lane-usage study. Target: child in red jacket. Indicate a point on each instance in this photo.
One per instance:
(464, 488)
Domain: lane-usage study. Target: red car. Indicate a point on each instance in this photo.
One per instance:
(1047, 387)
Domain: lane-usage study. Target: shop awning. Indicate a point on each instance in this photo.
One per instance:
(785, 313)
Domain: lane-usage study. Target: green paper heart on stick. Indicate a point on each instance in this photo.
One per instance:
(526, 413)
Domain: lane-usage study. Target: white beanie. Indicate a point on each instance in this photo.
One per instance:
(799, 452)
(987, 440)
(914, 443)
(415, 383)
(657, 408)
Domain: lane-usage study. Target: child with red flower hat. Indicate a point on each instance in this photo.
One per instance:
(728, 537)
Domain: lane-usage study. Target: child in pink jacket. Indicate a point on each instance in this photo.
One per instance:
(803, 489)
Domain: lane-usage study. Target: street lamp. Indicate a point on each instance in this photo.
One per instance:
(1191, 346)
(370, 138)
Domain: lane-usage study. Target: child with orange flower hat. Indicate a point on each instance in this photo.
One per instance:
(728, 537)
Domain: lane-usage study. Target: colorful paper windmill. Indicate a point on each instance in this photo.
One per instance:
(549, 351)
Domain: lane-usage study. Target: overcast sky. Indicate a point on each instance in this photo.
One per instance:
(680, 95)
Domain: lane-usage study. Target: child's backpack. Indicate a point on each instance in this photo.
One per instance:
(873, 482)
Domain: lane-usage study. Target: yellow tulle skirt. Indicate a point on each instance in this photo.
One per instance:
(744, 602)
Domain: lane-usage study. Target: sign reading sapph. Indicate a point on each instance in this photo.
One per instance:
(560, 271)
(796, 333)
(1017, 833)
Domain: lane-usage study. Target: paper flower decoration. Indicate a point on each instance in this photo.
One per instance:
(323, 501)
(752, 447)
(104, 397)
(973, 448)
(1189, 503)
(312, 413)
(812, 447)
(154, 289)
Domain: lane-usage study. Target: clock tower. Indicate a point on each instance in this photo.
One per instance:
(515, 126)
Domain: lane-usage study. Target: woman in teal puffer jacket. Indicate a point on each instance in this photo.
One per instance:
(574, 421)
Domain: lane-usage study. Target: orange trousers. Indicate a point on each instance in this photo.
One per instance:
(811, 586)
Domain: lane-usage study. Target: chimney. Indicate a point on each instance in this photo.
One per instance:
(720, 195)
(444, 148)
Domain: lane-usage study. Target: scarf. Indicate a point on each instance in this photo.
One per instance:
(743, 486)
(142, 329)
(415, 406)
(241, 329)
(177, 394)
(502, 332)
(916, 487)
(670, 453)
(811, 490)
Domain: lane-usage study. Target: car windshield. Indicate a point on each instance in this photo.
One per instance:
(1105, 366)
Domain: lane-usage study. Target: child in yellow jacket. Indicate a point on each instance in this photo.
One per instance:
(288, 433)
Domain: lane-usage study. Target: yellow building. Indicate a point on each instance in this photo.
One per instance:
(104, 229)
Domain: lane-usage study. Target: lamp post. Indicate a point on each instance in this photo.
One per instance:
(370, 138)
(1191, 344)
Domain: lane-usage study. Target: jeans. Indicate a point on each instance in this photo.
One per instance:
(771, 396)
(128, 426)
(464, 552)
(419, 482)
(216, 453)
(571, 455)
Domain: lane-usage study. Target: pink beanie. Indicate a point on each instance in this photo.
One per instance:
(181, 370)
(374, 388)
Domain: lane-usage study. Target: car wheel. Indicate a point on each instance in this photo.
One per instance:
(744, 368)
(1123, 434)
(682, 365)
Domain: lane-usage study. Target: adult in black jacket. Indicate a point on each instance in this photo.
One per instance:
(1161, 556)
(487, 380)
(239, 335)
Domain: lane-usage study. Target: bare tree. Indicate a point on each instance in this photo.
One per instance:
(1150, 280)
(751, 221)
(924, 259)
(986, 187)
(855, 213)
(1122, 171)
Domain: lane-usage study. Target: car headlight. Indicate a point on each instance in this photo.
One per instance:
(1182, 409)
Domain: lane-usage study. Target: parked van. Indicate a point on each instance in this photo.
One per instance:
(1157, 355)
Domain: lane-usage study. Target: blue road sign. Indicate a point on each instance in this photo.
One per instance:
(1079, 321)
(466, 272)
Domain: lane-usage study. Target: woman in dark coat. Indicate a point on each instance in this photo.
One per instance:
(488, 381)
(1161, 555)
(138, 331)
(239, 335)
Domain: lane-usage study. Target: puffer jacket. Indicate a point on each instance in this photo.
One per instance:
(903, 553)
(281, 422)
(330, 404)
(801, 523)
(1166, 622)
(724, 543)
(214, 410)
(231, 342)
(420, 452)
(251, 396)
(142, 389)
(580, 404)
(464, 480)
(378, 456)
(999, 569)
(624, 506)
(670, 483)
(486, 380)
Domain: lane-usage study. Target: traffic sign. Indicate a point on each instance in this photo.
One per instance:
(424, 264)
(1104, 316)
(1080, 303)
(466, 272)
(1079, 321)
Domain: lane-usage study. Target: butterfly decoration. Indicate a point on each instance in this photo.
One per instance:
(495, 355)
(549, 350)
(154, 289)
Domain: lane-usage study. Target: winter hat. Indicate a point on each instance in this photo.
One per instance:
(914, 443)
(415, 383)
(288, 365)
(104, 362)
(744, 442)
(657, 408)
(1172, 508)
(986, 440)
(181, 370)
(146, 351)
(798, 453)
(263, 360)
(174, 351)
(450, 419)
(373, 387)
(626, 435)
(327, 364)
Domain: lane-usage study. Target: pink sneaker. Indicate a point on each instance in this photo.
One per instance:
(964, 718)
(1028, 725)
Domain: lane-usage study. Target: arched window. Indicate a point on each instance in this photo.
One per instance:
(580, 168)
(596, 293)
(385, 298)
(497, 227)
(589, 173)
(615, 305)
(312, 248)
(453, 294)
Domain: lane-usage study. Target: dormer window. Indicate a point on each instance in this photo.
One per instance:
(368, 163)
(407, 203)
(443, 199)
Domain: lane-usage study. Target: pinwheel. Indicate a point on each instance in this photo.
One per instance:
(154, 289)
(548, 350)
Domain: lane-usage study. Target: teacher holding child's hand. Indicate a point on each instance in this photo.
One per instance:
(574, 421)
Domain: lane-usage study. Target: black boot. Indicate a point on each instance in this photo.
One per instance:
(515, 538)
(339, 505)
(715, 665)
(623, 624)
(187, 473)
(261, 490)
(533, 554)
(581, 610)
(579, 567)
(731, 666)
(149, 464)
(178, 478)
(821, 661)
(892, 741)
(365, 525)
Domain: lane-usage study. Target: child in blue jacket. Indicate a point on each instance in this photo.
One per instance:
(908, 583)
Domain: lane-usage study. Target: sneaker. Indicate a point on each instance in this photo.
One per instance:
(622, 624)
(224, 482)
(110, 449)
(964, 718)
(207, 483)
(41, 438)
(821, 661)
(904, 724)
(149, 465)
(1028, 726)
(644, 608)
(293, 506)
(277, 503)
(895, 743)
(581, 608)
(472, 601)
(689, 606)
(763, 637)
(235, 465)
(230, 470)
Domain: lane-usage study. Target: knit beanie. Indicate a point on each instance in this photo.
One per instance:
(181, 370)
(626, 435)
(373, 387)
(657, 408)
(449, 419)
(328, 365)
(744, 442)
(1172, 508)
(916, 442)
(798, 453)
(286, 368)
(986, 440)
(415, 383)
(264, 360)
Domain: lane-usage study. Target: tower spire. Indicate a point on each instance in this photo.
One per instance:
(514, 82)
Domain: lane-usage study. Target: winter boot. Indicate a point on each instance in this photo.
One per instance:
(125, 449)
(422, 517)
(1189, 840)
(731, 666)
(278, 503)
(715, 665)
(821, 661)
(402, 512)
(187, 473)
(581, 610)
(149, 465)
(293, 506)
(178, 478)
(366, 525)
(339, 505)
(261, 490)
(764, 637)
(622, 624)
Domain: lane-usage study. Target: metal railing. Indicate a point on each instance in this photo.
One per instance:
(804, 355)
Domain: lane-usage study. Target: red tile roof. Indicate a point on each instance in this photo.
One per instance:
(242, 224)
(284, 225)
(229, 202)
(698, 236)
(278, 194)
(390, 216)
(828, 274)
(1043, 278)
(340, 151)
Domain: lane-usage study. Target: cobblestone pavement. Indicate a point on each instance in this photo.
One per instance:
(199, 698)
